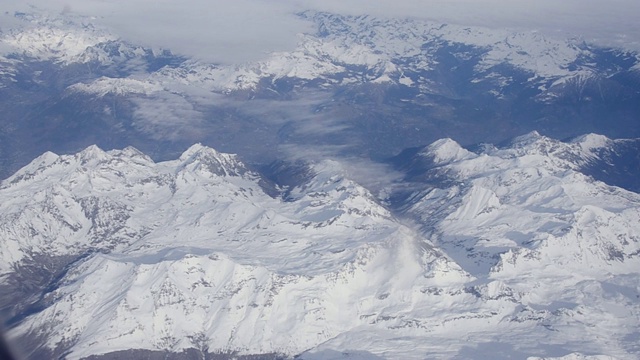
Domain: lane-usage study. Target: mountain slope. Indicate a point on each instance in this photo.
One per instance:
(529, 200)
(361, 85)
(170, 252)
(516, 253)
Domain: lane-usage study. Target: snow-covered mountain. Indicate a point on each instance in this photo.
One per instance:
(372, 85)
(502, 252)
(343, 50)
(198, 243)
(528, 249)
(532, 200)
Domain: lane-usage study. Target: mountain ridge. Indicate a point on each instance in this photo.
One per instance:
(340, 42)
(254, 223)
(199, 246)
(416, 81)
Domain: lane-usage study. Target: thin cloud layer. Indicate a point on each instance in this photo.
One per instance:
(244, 30)
(215, 31)
(612, 23)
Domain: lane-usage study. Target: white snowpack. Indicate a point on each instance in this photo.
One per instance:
(521, 255)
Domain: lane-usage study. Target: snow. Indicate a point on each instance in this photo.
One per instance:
(523, 218)
(520, 250)
(515, 252)
(389, 50)
(445, 151)
(213, 216)
(406, 81)
(55, 38)
(382, 79)
(116, 86)
(591, 142)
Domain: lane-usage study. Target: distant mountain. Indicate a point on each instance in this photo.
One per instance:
(509, 251)
(614, 162)
(356, 85)
(497, 240)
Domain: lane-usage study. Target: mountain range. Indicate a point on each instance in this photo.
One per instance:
(354, 85)
(309, 220)
(512, 249)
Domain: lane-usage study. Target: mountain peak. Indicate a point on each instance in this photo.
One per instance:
(199, 157)
(130, 151)
(446, 151)
(534, 143)
(527, 139)
(142, 254)
(92, 153)
(33, 168)
(591, 141)
(92, 150)
(192, 150)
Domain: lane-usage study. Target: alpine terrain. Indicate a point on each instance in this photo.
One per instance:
(512, 251)
(389, 188)
(353, 85)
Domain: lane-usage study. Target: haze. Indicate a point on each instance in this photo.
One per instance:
(244, 30)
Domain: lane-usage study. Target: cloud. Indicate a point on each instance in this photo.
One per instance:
(210, 30)
(244, 30)
(167, 116)
(229, 32)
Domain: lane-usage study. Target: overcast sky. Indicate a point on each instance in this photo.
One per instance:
(235, 31)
